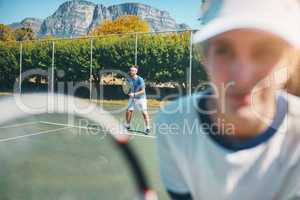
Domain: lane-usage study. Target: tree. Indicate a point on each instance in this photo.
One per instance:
(123, 24)
(163, 58)
(9, 65)
(24, 33)
(6, 33)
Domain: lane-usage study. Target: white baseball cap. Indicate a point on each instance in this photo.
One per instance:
(280, 17)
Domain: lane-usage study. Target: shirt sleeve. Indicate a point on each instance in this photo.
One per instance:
(141, 83)
(170, 172)
(291, 188)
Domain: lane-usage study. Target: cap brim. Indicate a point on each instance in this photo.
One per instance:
(283, 29)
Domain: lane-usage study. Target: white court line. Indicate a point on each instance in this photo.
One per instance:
(18, 125)
(32, 134)
(87, 128)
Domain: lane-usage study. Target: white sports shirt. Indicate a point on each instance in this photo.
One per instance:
(195, 166)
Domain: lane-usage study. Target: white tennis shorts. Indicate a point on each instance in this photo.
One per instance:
(140, 104)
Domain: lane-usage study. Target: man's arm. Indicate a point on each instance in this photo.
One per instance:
(135, 94)
(140, 92)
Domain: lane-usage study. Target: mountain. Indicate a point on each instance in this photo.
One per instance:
(79, 17)
(33, 23)
(72, 18)
(158, 20)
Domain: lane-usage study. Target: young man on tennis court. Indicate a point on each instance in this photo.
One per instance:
(240, 139)
(137, 98)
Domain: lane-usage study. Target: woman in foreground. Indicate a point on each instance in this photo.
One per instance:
(239, 139)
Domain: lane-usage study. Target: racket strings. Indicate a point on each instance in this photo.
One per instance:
(99, 122)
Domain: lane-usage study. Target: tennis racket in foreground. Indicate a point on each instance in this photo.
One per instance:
(42, 156)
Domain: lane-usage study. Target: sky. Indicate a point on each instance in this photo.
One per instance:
(183, 11)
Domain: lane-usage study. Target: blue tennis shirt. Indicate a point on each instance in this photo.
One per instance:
(136, 85)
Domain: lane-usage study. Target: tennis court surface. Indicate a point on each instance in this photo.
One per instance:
(48, 157)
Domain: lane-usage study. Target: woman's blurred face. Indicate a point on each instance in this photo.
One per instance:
(237, 61)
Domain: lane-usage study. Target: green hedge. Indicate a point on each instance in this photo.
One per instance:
(9, 64)
(161, 57)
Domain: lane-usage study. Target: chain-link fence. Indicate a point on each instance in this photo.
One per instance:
(82, 66)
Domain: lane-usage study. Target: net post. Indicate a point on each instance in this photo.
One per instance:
(91, 67)
(20, 72)
(190, 64)
(136, 49)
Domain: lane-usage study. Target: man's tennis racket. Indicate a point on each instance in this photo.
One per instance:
(127, 87)
(58, 107)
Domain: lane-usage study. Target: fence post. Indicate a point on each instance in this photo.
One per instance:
(190, 65)
(20, 75)
(136, 49)
(91, 68)
(52, 68)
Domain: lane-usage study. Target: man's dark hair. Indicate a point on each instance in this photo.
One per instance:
(135, 66)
